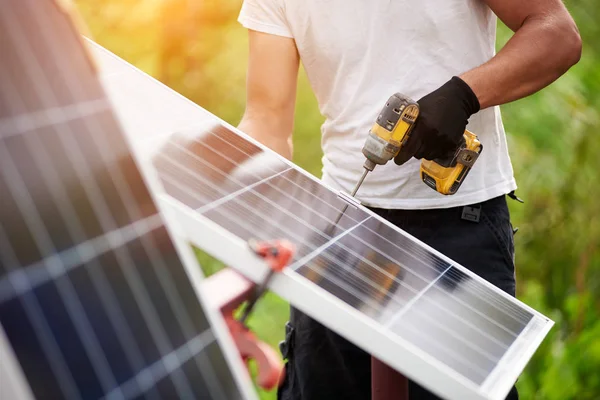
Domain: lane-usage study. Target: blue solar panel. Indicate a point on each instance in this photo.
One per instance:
(94, 299)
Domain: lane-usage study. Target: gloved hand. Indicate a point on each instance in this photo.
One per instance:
(443, 117)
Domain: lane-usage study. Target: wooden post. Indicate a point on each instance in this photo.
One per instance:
(387, 383)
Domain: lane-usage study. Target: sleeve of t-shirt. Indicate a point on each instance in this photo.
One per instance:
(267, 16)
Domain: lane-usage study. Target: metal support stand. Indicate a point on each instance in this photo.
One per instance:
(227, 290)
(387, 383)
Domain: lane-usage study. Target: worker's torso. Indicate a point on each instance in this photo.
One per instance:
(357, 53)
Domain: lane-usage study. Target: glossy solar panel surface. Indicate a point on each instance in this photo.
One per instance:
(94, 299)
(361, 260)
(224, 185)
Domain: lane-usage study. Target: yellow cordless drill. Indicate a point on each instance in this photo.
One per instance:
(392, 131)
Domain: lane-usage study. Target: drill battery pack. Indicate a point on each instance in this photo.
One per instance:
(447, 175)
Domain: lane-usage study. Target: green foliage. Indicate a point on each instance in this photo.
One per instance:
(198, 48)
(554, 147)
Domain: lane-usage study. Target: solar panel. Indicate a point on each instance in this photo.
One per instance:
(95, 301)
(374, 284)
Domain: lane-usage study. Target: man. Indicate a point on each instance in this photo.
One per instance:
(356, 54)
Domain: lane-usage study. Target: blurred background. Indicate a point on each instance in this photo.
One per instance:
(197, 48)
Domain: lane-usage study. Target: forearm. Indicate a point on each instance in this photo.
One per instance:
(271, 131)
(541, 50)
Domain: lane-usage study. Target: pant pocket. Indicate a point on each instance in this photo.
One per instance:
(500, 227)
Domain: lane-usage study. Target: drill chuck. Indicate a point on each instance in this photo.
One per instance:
(369, 165)
(378, 150)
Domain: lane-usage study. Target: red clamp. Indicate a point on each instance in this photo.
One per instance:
(277, 253)
(227, 290)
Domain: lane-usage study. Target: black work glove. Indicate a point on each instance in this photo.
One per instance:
(443, 117)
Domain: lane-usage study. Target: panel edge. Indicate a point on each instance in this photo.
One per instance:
(316, 302)
(13, 382)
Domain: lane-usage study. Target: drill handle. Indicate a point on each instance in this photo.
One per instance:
(403, 155)
(406, 152)
(449, 160)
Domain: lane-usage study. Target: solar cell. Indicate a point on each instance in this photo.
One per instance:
(94, 299)
(422, 297)
(402, 301)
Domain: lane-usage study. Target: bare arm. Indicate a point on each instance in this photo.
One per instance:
(545, 45)
(271, 94)
(271, 91)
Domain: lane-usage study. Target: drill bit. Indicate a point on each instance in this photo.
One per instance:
(360, 181)
(369, 166)
(337, 220)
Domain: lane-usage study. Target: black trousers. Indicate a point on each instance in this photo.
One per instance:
(323, 365)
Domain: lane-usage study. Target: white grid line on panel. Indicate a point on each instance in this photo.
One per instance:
(520, 308)
(349, 289)
(320, 249)
(190, 264)
(31, 121)
(519, 352)
(157, 261)
(65, 287)
(412, 301)
(93, 193)
(370, 245)
(166, 365)
(65, 379)
(461, 302)
(476, 290)
(474, 347)
(50, 268)
(291, 235)
(25, 279)
(230, 196)
(205, 232)
(53, 267)
(38, 273)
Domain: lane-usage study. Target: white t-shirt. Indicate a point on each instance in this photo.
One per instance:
(357, 53)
